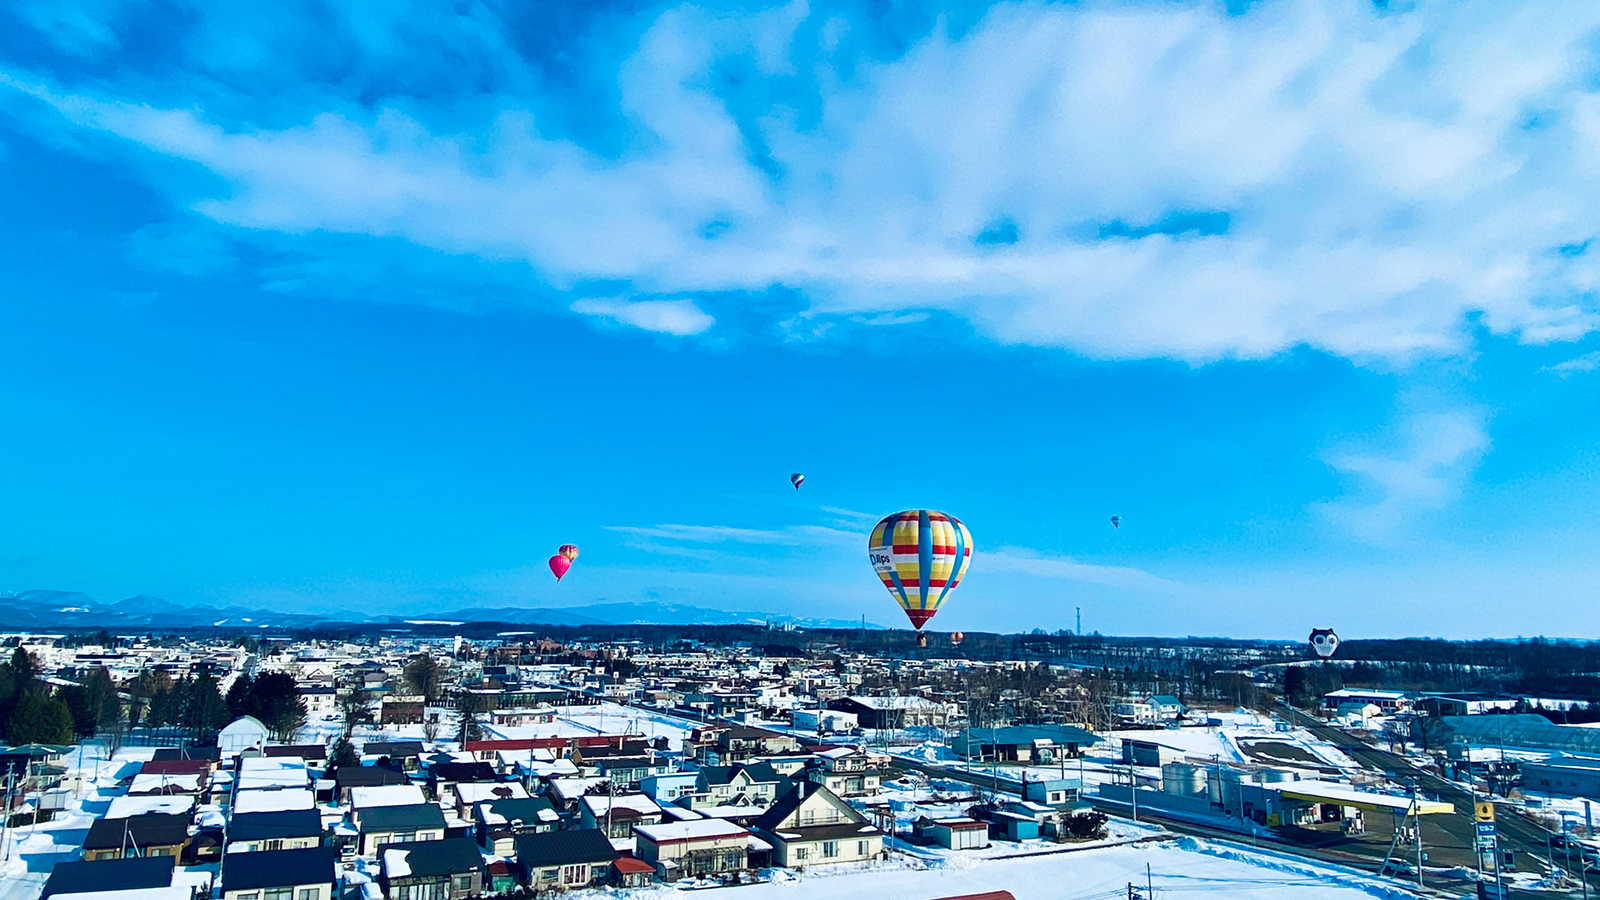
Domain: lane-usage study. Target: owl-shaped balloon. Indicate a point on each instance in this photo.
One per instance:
(1324, 642)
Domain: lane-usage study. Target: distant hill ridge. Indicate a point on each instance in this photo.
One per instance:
(74, 609)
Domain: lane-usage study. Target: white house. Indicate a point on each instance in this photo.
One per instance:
(243, 733)
(811, 826)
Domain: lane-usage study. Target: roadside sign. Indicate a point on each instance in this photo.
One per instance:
(1486, 830)
(1483, 810)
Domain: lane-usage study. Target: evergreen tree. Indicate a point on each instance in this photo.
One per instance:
(239, 696)
(344, 752)
(39, 719)
(273, 698)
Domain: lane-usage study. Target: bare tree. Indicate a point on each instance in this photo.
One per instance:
(354, 709)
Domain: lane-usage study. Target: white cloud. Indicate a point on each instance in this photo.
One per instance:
(1159, 179)
(679, 317)
(1585, 363)
(719, 534)
(1055, 566)
(1430, 458)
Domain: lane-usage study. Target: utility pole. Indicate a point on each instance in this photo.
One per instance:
(1417, 821)
(1079, 631)
(1133, 788)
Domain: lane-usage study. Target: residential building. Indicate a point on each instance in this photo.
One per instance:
(129, 873)
(304, 874)
(845, 771)
(754, 784)
(496, 824)
(443, 776)
(404, 753)
(148, 835)
(387, 795)
(380, 825)
(294, 829)
(617, 815)
(347, 777)
(451, 869)
(694, 847)
(562, 860)
(466, 795)
(742, 744)
(811, 826)
(669, 787)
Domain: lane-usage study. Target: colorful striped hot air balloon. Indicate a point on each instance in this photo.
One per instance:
(570, 551)
(797, 479)
(921, 556)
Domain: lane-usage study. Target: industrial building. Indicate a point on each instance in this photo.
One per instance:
(1565, 774)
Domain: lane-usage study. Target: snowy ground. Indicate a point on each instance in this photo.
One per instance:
(31, 851)
(1031, 870)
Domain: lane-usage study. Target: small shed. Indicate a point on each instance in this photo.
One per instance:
(1014, 826)
(957, 834)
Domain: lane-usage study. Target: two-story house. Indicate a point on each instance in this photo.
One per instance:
(496, 824)
(294, 829)
(755, 784)
(617, 815)
(413, 822)
(810, 826)
(304, 874)
(451, 869)
(564, 860)
(742, 744)
(845, 771)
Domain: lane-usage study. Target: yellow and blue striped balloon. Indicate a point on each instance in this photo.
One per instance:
(920, 555)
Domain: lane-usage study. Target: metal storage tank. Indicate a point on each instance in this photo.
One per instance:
(1183, 779)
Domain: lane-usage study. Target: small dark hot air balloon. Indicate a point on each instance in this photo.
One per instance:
(797, 479)
(957, 638)
(1116, 521)
(1323, 642)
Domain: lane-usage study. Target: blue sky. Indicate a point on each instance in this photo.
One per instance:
(334, 306)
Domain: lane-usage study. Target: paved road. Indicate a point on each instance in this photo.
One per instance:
(1516, 833)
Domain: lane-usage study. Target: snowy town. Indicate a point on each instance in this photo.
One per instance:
(406, 768)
